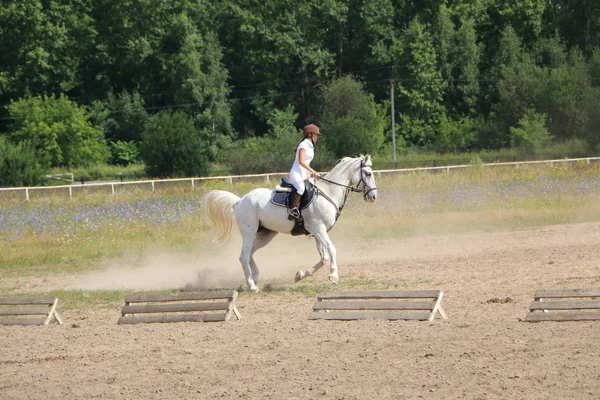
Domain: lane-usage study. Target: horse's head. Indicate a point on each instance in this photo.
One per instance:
(364, 179)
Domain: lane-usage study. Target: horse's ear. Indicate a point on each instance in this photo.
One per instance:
(368, 160)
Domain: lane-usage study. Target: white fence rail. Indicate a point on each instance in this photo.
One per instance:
(114, 186)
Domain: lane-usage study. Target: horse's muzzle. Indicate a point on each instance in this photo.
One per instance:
(370, 196)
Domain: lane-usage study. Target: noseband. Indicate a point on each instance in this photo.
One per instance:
(365, 190)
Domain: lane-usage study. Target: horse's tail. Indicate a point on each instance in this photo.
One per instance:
(219, 206)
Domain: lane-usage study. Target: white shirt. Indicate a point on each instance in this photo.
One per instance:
(298, 173)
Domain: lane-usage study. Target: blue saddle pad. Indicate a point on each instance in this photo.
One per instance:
(281, 198)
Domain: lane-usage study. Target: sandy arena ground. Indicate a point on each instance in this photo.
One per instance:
(483, 351)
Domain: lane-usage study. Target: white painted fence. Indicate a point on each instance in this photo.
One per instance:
(47, 190)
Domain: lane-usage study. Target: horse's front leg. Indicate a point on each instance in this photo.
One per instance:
(309, 272)
(323, 238)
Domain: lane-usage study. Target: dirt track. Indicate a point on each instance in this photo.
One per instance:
(483, 350)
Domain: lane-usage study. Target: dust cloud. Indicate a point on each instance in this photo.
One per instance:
(213, 268)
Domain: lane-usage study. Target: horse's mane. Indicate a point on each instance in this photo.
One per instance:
(341, 169)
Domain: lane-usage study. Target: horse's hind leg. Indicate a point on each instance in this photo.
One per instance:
(245, 257)
(263, 237)
(324, 257)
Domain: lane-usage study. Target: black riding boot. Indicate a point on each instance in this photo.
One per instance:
(294, 206)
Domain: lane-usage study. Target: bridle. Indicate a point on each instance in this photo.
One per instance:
(365, 190)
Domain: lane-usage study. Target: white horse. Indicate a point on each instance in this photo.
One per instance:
(259, 220)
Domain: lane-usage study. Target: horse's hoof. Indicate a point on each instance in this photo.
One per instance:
(254, 289)
(334, 279)
(299, 276)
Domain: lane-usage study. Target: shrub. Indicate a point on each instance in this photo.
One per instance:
(352, 123)
(171, 147)
(124, 153)
(19, 164)
(531, 134)
(59, 130)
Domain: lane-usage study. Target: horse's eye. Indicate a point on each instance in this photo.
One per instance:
(368, 173)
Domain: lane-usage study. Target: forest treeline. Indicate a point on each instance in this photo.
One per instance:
(183, 85)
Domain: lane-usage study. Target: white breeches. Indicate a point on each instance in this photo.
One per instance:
(299, 187)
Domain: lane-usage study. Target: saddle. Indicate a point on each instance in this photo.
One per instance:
(280, 197)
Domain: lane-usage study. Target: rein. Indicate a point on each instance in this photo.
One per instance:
(352, 188)
(365, 191)
(349, 188)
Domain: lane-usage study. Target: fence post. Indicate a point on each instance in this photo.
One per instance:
(71, 192)
(153, 186)
(112, 188)
(192, 183)
(27, 194)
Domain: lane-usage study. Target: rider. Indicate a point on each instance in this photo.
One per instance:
(301, 169)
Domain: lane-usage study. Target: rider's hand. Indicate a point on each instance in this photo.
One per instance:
(317, 175)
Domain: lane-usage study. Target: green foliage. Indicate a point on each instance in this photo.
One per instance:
(272, 152)
(124, 153)
(59, 130)
(551, 81)
(421, 88)
(591, 128)
(560, 92)
(44, 46)
(458, 57)
(514, 74)
(169, 53)
(531, 134)
(476, 161)
(229, 64)
(525, 15)
(271, 44)
(128, 117)
(577, 21)
(19, 165)
(466, 59)
(455, 136)
(104, 172)
(352, 123)
(172, 147)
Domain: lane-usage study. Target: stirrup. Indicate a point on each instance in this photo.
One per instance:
(294, 213)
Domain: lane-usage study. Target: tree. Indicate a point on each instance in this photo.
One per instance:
(280, 50)
(531, 134)
(167, 52)
(352, 123)
(19, 165)
(421, 87)
(128, 117)
(272, 152)
(514, 74)
(172, 146)
(467, 54)
(578, 23)
(560, 93)
(124, 153)
(44, 47)
(458, 61)
(59, 130)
